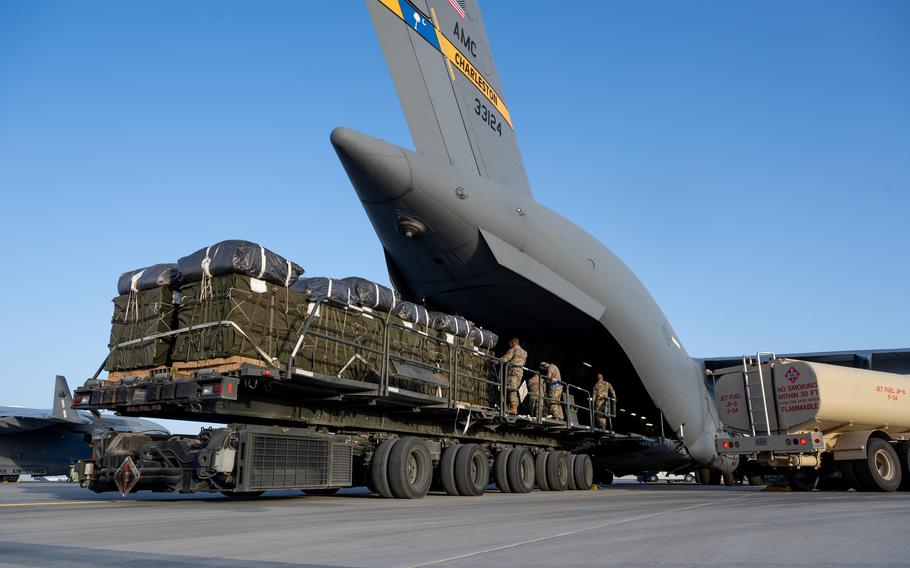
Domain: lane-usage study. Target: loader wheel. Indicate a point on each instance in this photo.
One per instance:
(501, 471)
(379, 469)
(540, 470)
(11, 478)
(583, 472)
(410, 469)
(558, 471)
(521, 471)
(242, 494)
(323, 492)
(571, 484)
(472, 470)
(881, 470)
(803, 479)
(903, 457)
(447, 470)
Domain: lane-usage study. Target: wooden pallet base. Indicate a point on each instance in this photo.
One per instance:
(185, 369)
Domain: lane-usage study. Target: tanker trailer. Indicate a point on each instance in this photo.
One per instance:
(816, 425)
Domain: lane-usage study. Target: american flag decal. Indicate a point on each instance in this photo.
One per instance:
(458, 6)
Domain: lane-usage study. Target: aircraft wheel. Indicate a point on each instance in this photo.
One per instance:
(472, 470)
(521, 470)
(689, 478)
(571, 482)
(903, 457)
(583, 472)
(604, 477)
(881, 470)
(316, 492)
(501, 471)
(242, 494)
(447, 469)
(803, 479)
(558, 471)
(11, 478)
(540, 469)
(379, 469)
(410, 469)
(849, 474)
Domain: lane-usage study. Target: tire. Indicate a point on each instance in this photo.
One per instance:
(703, 476)
(571, 485)
(881, 470)
(472, 470)
(803, 479)
(410, 469)
(558, 471)
(903, 456)
(329, 491)
(10, 478)
(689, 478)
(540, 470)
(447, 470)
(605, 477)
(849, 474)
(379, 469)
(242, 494)
(583, 470)
(501, 471)
(521, 471)
(755, 480)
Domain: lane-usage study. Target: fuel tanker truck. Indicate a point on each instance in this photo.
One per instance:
(816, 425)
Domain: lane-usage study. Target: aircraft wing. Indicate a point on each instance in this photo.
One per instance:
(14, 419)
(442, 66)
(885, 360)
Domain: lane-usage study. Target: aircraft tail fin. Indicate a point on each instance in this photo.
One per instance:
(442, 66)
(63, 402)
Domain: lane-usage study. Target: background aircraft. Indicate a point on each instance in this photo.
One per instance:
(49, 442)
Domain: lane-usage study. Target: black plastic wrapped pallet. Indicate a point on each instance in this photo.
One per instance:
(239, 257)
(483, 338)
(156, 276)
(411, 312)
(456, 325)
(323, 287)
(369, 294)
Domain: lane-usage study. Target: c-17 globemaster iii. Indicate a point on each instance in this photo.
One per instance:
(462, 232)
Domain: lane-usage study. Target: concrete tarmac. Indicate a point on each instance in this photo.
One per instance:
(61, 525)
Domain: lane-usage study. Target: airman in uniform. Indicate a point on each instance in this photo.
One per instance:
(554, 389)
(535, 392)
(603, 392)
(515, 357)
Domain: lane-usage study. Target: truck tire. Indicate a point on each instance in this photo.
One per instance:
(521, 471)
(447, 470)
(571, 485)
(583, 472)
(881, 470)
(903, 456)
(501, 471)
(323, 492)
(379, 469)
(472, 470)
(803, 479)
(410, 468)
(558, 471)
(540, 470)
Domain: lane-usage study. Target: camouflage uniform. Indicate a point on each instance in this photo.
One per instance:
(555, 392)
(535, 391)
(603, 391)
(516, 357)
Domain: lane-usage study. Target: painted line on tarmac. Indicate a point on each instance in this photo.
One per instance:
(578, 531)
(50, 503)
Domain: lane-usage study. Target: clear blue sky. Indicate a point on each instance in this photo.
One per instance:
(750, 161)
